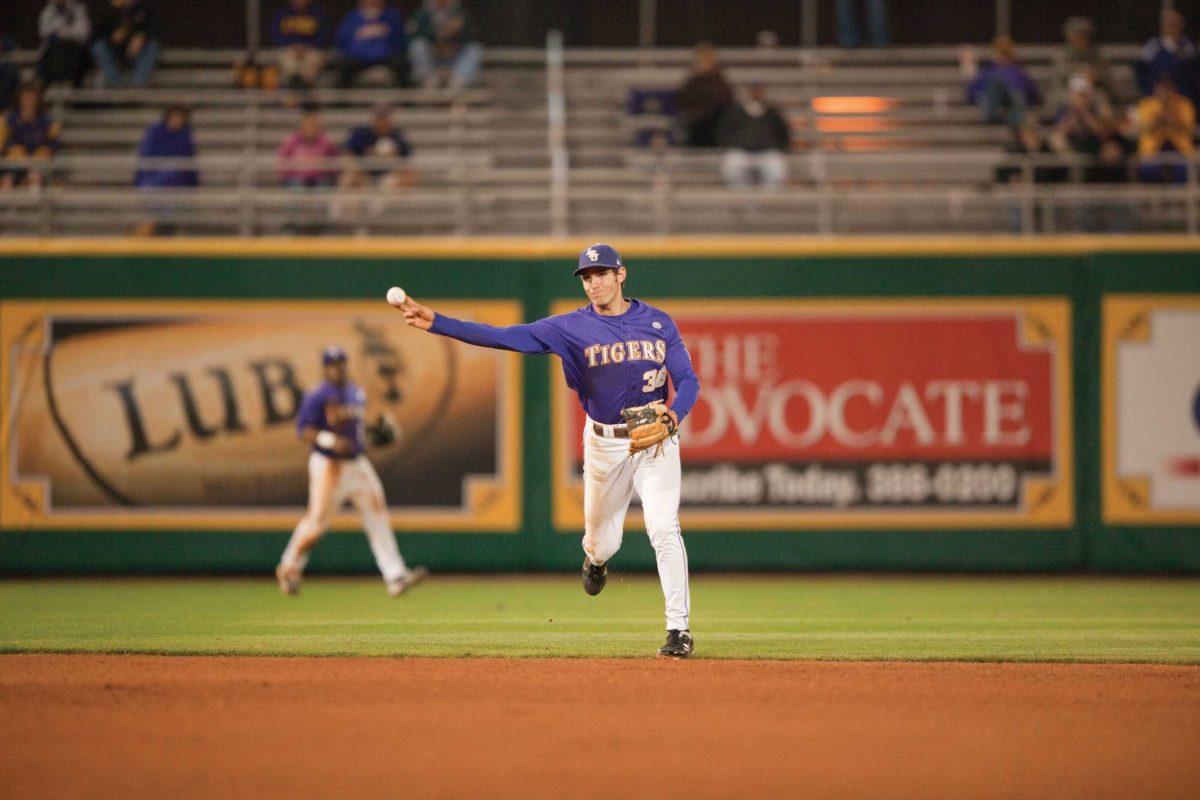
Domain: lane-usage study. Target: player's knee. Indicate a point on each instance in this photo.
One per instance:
(600, 549)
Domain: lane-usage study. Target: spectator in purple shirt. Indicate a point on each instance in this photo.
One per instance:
(27, 132)
(372, 36)
(170, 137)
(1002, 87)
(301, 31)
(1170, 53)
(377, 155)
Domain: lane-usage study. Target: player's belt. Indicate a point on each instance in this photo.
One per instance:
(610, 431)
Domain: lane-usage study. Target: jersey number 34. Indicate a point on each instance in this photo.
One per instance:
(654, 379)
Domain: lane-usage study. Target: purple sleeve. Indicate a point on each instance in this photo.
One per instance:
(311, 412)
(679, 367)
(535, 338)
(975, 87)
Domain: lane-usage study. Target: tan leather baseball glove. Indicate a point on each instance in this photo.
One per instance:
(649, 426)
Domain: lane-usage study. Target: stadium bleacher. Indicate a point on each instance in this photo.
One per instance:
(884, 141)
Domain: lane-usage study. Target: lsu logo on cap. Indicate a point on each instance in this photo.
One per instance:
(592, 254)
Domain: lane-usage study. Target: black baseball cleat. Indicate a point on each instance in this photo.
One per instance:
(594, 577)
(679, 645)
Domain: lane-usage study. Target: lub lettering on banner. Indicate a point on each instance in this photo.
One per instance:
(815, 414)
(182, 414)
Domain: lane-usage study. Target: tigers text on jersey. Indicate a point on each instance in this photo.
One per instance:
(335, 408)
(611, 362)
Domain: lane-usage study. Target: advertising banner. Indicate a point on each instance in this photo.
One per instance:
(929, 413)
(1151, 409)
(182, 414)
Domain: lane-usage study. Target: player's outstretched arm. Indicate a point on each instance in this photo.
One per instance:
(533, 339)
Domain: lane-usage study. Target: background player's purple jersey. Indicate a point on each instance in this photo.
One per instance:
(338, 409)
(611, 362)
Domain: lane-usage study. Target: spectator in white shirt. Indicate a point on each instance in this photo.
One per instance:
(65, 27)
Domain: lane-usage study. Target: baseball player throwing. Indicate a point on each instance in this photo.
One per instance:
(618, 355)
(331, 422)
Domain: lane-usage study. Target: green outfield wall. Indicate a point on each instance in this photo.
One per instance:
(1076, 445)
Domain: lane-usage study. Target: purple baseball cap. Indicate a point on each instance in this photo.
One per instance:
(333, 354)
(600, 256)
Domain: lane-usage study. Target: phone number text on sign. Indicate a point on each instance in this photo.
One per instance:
(880, 484)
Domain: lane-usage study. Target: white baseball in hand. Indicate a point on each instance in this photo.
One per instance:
(396, 296)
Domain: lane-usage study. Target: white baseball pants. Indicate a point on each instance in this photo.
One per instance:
(331, 482)
(610, 477)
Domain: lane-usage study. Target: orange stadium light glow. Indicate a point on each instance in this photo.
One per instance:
(856, 125)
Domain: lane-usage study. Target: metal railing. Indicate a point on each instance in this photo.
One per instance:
(676, 191)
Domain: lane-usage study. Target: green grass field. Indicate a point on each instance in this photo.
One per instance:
(812, 617)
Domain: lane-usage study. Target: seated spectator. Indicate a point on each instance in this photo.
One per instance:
(171, 137)
(306, 155)
(1002, 87)
(381, 140)
(442, 37)
(757, 140)
(1170, 53)
(10, 76)
(1167, 126)
(301, 31)
(377, 156)
(1087, 127)
(65, 29)
(1082, 56)
(1085, 123)
(652, 111)
(372, 36)
(703, 98)
(126, 47)
(27, 132)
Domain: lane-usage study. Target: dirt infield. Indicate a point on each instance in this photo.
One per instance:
(138, 726)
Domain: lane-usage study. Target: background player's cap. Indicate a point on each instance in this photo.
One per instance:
(599, 255)
(333, 354)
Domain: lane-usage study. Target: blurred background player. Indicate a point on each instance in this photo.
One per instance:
(331, 422)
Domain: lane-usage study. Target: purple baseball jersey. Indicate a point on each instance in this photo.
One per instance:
(337, 409)
(611, 362)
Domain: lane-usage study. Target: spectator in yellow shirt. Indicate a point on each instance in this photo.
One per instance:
(1167, 127)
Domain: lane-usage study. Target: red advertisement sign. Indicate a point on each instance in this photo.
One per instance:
(881, 413)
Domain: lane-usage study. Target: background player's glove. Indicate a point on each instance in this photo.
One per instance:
(381, 432)
(649, 426)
